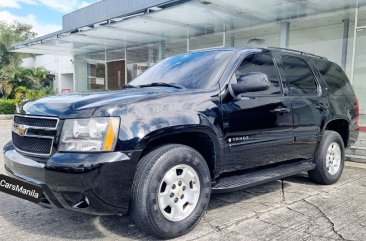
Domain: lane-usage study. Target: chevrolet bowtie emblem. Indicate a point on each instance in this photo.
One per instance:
(20, 129)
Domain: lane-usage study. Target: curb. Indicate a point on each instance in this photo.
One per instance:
(355, 164)
(6, 117)
(359, 159)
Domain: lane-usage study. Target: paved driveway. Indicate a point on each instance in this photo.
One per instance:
(294, 209)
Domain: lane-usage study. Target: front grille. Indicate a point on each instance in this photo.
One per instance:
(34, 135)
(36, 121)
(33, 145)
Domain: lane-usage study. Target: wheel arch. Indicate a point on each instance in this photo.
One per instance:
(341, 126)
(202, 139)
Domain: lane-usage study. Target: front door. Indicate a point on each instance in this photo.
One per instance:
(257, 125)
(116, 74)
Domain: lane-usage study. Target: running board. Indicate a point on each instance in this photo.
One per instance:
(234, 183)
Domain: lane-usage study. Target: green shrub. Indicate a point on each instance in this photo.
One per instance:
(22, 93)
(7, 106)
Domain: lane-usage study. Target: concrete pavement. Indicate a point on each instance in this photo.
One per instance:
(293, 209)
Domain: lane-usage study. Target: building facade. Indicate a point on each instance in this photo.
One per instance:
(113, 41)
(61, 67)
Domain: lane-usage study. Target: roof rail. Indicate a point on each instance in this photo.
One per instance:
(297, 52)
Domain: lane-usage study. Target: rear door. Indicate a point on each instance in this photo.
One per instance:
(309, 105)
(257, 125)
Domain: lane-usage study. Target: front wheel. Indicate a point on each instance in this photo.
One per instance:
(329, 159)
(171, 191)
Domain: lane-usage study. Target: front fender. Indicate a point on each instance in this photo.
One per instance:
(176, 130)
(132, 132)
(142, 120)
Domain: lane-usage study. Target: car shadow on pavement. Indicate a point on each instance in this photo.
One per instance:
(31, 219)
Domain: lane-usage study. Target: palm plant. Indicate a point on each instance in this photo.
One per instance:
(36, 77)
(7, 82)
(6, 88)
(12, 77)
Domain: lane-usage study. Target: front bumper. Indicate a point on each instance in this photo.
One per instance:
(96, 183)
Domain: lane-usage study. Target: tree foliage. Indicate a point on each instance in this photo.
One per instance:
(9, 35)
(17, 83)
(24, 83)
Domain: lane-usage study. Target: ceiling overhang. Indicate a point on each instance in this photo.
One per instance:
(188, 19)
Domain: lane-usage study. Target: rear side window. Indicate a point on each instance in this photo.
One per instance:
(335, 79)
(300, 79)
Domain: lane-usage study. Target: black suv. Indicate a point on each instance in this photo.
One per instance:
(208, 121)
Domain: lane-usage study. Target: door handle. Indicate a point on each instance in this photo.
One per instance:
(281, 110)
(322, 106)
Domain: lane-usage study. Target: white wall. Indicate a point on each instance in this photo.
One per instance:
(60, 66)
(67, 82)
(325, 41)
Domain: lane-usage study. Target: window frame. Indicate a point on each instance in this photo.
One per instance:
(240, 60)
(306, 61)
(323, 77)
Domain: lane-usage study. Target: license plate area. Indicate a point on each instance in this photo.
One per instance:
(20, 189)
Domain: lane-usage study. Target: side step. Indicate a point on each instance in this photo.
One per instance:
(234, 183)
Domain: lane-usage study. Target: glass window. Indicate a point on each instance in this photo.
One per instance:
(336, 80)
(262, 63)
(96, 76)
(96, 71)
(300, 78)
(261, 37)
(90, 69)
(139, 59)
(206, 41)
(359, 75)
(197, 70)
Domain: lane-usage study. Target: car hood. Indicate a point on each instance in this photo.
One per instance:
(83, 105)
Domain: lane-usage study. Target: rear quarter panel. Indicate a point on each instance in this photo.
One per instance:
(342, 102)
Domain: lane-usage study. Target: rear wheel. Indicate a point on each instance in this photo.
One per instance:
(171, 191)
(329, 159)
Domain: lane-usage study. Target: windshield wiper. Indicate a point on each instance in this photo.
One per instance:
(161, 84)
(128, 86)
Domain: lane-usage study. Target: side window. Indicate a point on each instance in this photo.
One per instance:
(335, 79)
(300, 78)
(262, 63)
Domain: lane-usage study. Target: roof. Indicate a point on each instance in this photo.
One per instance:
(297, 52)
(118, 24)
(284, 50)
(99, 14)
(109, 9)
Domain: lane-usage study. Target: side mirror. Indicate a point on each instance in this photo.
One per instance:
(251, 82)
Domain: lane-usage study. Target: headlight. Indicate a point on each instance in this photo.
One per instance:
(89, 135)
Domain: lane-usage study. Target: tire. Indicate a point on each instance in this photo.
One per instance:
(322, 174)
(155, 177)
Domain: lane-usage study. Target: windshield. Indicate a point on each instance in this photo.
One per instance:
(198, 70)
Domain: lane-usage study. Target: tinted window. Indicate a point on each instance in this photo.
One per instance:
(335, 79)
(262, 63)
(198, 70)
(299, 76)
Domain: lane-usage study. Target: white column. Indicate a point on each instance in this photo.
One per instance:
(345, 43)
(354, 45)
(162, 47)
(285, 34)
